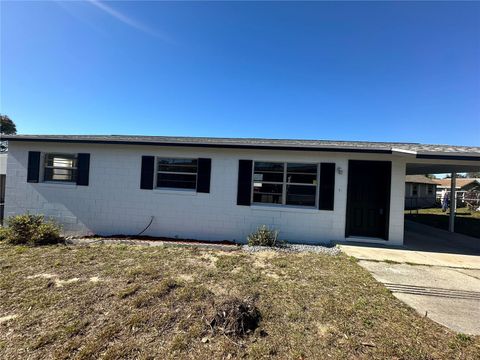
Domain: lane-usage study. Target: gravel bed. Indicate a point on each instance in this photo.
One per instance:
(120, 241)
(295, 248)
(287, 248)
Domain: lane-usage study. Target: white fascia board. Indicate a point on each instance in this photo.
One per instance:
(404, 152)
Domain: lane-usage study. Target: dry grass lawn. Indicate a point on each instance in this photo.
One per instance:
(111, 302)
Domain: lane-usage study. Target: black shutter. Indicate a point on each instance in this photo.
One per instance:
(33, 172)
(83, 172)
(244, 191)
(148, 166)
(327, 186)
(203, 175)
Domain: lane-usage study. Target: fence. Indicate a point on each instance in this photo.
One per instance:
(469, 199)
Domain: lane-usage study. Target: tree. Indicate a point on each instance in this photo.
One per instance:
(473, 174)
(7, 127)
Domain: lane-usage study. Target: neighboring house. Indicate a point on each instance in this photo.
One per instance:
(222, 189)
(463, 186)
(3, 178)
(420, 192)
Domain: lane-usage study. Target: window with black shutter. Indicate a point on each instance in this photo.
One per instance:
(203, 175)
(147, 172)
(327, 186)
(33, 170)
(244, 187)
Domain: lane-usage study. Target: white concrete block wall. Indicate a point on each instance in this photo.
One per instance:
(3, 164)
(113, 203)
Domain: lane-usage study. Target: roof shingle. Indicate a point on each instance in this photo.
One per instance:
(327, 145)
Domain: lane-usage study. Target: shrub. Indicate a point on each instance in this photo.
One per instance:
(28, 229)
(263, 236)
(3, 233)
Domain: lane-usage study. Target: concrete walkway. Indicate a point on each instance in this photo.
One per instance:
(424, 245)
(429, 275)
(448, 296)
(402, 255)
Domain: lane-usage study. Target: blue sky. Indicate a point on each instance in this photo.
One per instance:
(378, 71)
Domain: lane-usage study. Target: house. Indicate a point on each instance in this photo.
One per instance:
(464, 187)
(312, 191)
(420, 192)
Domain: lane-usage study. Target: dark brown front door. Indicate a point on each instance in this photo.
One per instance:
(368, 198)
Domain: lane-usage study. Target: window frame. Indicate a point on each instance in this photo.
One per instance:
(415, 190)
(157, 171)
(44, 166)
(430, 189)
(285, 184)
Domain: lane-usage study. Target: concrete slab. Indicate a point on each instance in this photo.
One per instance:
(427, 238)
(436, 273)
(448, 296)
(402, 255)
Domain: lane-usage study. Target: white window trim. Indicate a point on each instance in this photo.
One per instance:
(284, 186)
(44, 166)
(169, 190)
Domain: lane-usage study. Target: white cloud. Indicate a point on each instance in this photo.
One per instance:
(127, 20)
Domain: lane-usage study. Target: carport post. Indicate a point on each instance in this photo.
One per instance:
(453, 203)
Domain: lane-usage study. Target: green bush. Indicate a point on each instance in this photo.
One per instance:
(28, 229)
(263, 236)
(3, 233)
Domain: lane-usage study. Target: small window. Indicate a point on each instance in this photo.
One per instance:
(268, 182)
(60, 167)
(285, 183)
(177, 173)
(301, 184)
(415, 190)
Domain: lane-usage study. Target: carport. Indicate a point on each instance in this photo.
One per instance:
(436, 272)
(450, 161)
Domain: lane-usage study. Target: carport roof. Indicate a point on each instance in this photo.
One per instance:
(416, 149)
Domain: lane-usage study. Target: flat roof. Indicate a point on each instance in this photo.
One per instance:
(425, 151)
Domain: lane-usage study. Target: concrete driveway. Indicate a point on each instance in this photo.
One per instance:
(443, 285)
(448, 296)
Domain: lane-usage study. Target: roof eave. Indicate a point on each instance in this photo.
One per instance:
(203, 145)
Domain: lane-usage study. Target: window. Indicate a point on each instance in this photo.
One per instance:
(60, 167)
(430, 189)
(285, 183)
(415, 190)
(177, 173)
(268, 182)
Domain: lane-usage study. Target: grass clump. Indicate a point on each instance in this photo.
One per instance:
(29, 229)
(235, 317)
(263, 236)
(156, 292)
(463, 337)
(129, 291)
